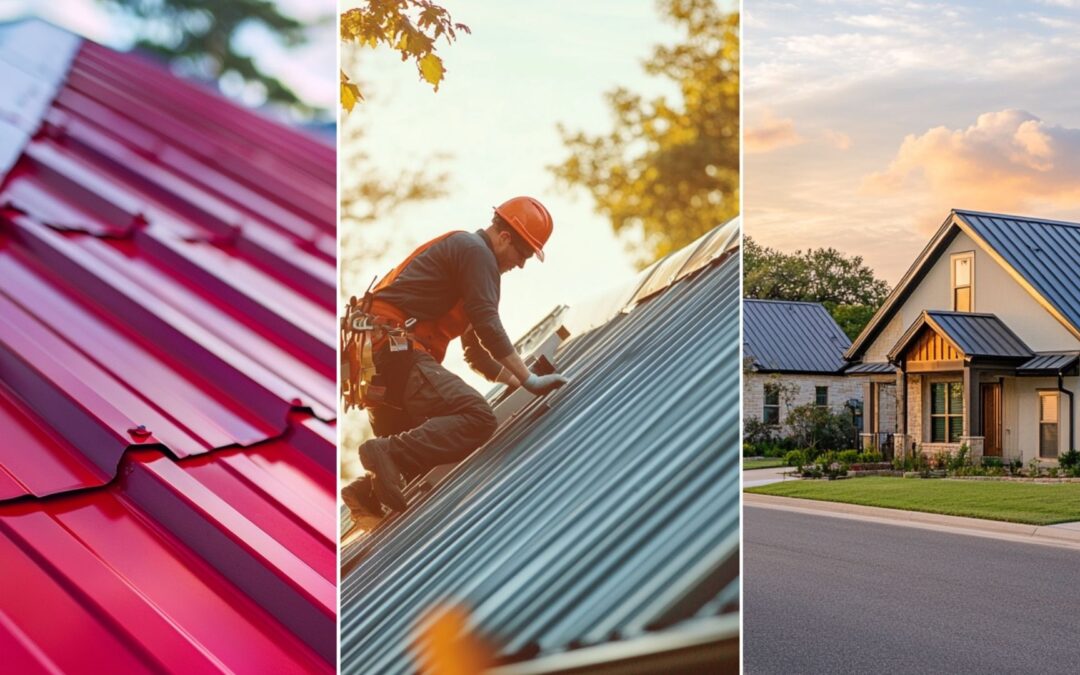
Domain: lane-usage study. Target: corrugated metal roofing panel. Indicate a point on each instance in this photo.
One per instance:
(783, 336)
(601, 512)
(1050, 363)
(1045, 252)
(125, 316)
(167, 487)
(980, 335)
(217, 564)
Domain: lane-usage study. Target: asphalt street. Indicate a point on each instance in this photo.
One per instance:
(831, 595)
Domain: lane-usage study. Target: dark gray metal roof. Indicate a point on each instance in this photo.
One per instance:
(870, 369)
(604, 512)
(980, 335)
(1045, 252)
(1050, 363)
(977, 336)
(801, 337)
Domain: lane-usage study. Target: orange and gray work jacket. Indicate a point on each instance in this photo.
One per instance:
(450, 286)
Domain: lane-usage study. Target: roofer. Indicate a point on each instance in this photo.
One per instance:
(422, 414)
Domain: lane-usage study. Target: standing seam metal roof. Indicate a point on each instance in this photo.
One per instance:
(1046, 253)
(604, 511)
(785, 336)
(975, 335)
(167, 480)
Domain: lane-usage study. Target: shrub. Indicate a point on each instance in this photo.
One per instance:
(940, 460)
(1069, 460)
(992, 462)
(848, 457)
(1034, 467)
(796, 458)
(815, 428)
(1015, 465)
(1052, 472)
(757, 433)
(869, 457)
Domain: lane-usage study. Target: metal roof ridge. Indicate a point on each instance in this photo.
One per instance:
(1007, 216)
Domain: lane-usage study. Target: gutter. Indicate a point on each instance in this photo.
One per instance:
(1072, 410)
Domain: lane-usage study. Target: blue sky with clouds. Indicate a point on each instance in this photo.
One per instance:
(866, 121)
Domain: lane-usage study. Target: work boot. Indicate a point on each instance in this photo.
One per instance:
(388, 479)
(359, 497)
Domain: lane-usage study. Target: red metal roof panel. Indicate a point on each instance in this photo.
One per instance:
(168, 461)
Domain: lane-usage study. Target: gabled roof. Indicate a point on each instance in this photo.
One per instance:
(167, 474)
(793, 337)
(1041, 255)
(601, 513)
(976, 336)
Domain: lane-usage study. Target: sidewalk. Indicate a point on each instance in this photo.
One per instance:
(1064, 535)
(755, 477)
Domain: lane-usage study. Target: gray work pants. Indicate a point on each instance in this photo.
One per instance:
(442, 419)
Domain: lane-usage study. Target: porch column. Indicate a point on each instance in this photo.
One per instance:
(900, 441)
(972, 402)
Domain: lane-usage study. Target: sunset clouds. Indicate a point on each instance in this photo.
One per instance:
(1005, 161)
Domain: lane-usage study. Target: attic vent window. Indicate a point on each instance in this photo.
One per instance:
(963, 276)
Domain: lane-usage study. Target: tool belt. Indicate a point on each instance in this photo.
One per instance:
(367, 338)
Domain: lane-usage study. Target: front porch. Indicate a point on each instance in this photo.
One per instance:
(967, 380)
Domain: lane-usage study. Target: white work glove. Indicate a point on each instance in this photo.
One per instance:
(538, 385)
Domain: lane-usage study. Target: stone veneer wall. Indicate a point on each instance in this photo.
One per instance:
(841, 389)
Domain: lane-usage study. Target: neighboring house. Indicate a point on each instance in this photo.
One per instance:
(598, 530)
(982, 338)
(793, 355)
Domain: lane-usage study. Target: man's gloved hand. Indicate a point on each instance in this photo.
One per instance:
(538, 385)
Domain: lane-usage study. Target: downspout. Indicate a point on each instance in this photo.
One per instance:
(1072, 410)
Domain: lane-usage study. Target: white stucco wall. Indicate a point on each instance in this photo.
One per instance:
(995, 292)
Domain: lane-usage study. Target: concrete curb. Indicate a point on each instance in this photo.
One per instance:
(1049, 535)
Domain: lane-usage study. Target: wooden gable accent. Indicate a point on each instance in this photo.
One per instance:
(930, 346)
(932, 352)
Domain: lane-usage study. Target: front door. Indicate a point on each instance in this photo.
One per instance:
(991, 419)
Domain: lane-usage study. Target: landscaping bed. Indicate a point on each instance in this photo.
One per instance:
(1044, 502)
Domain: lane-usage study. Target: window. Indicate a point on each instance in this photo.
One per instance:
(821, 397)
(1048, 424)
(946, 412)
(963, 271)
(771, 411)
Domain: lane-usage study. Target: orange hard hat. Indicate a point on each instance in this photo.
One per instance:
(529, 219)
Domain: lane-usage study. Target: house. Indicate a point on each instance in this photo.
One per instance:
(793, 355)
(167, 367)
(978, 344)
(598, 530)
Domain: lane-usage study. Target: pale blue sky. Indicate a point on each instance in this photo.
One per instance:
(867, 120)
(526, 67)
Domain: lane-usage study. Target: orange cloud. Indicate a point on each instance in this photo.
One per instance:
(838, 139)
(1008, 161)
(772, 134)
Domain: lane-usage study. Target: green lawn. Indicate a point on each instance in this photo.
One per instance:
(1031, 503)
(763, 463)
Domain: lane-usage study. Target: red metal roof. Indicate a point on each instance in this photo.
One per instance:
(167, 365)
